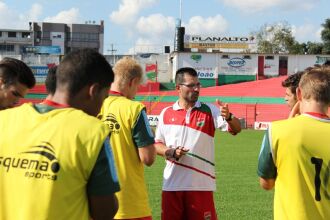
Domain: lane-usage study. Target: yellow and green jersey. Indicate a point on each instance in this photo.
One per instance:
(130, 130)
(50, 162)
(296, 152)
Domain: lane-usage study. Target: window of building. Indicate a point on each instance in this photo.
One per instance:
(26, 35)
(247, 57)
(225, 56)
(68, 36)
(94, 37)
(11, 34)
(6, 47)
(38, 34)
(85, 37)
(37, 37)
(0, 33)
(269, 57)
(75, 36)
(46, 35)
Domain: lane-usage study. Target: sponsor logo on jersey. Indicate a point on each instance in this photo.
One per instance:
(207, 216)
(200, 122)
(112, 122)
(38, 162)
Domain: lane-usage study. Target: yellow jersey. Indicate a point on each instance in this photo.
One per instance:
(46, 161)
(296, 152)
(129, 131)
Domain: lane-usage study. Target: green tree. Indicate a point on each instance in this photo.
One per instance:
(297, 48)
(276, 38)
(325, 36)
(313, 48)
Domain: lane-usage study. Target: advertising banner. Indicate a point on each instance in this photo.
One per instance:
(151, 72)
(204, 64)
(260, 125)
(58, 40)
(43, 50)
(321, 60)
(40, 73)
(218, 42)
(238, 64)
(153, 120)
(271, 66)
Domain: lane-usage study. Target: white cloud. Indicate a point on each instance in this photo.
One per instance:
(156, 26)
(307, 32)
(152, 33)
(70, 16)
(318, 34)
(251, 6)
(129, 10)
(11, 19)
(144, 45)
(157, 30)
(205, 26)
(6, 16)
(34, 12)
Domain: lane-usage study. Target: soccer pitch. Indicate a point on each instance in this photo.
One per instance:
(238, 194)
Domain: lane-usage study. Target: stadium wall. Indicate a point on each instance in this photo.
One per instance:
(225, 68)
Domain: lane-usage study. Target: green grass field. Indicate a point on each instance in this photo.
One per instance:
(238, 194)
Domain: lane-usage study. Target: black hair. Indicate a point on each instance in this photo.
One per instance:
(184, 70)
(13, 71)
(292, 81)
(326, 63)
(81, 68)
(50, 81)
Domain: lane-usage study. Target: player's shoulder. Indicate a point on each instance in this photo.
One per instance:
(287, 125)
(24, 109)
(167, 109)
(207, 105)
(208, 108)
(137, 103)
(121, 101)
(82, 122)
(289, 121)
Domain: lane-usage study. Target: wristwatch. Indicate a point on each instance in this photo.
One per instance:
(231, 116)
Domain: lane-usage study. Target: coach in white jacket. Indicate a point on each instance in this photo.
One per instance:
(185, 136)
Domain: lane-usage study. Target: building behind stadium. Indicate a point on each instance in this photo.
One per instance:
(218, 60)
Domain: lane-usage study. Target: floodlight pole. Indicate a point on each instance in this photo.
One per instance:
(180, 10)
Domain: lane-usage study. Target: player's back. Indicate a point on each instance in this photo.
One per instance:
(301, 152)
(121, 115)
(45, 162)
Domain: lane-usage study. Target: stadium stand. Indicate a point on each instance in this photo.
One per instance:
(260, 100)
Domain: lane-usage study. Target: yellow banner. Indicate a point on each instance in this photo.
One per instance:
(218, 45)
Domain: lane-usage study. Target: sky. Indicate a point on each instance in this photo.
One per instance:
(133, 26)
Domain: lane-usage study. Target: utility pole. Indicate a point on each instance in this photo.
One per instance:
(112, 51)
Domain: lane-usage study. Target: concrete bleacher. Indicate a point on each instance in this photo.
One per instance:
(249, 112)
(38, 89)
(262, 88)
(260, 100)
(257, 101)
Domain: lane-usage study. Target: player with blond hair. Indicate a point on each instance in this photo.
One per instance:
(131, 139)
(295, 153)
